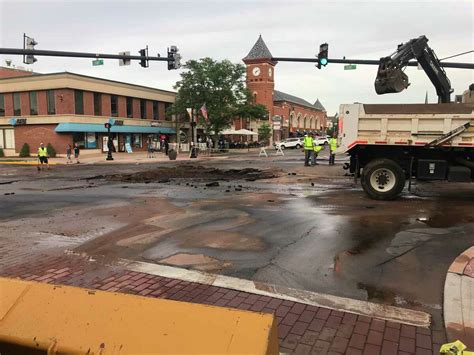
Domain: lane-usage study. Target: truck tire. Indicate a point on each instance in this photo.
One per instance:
(383, 179)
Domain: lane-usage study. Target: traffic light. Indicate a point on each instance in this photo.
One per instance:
(323, 55)
(174, 58)
(144, 53)
(29, 43)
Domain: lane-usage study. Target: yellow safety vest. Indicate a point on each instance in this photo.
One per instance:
(333, 144)
(308, 143)
(318, 148)
(42, 152)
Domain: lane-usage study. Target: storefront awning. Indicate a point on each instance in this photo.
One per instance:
(98, 128)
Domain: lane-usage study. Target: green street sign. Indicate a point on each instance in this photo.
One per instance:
(350, 67)
(98, 62)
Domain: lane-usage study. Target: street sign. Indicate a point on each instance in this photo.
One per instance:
(98, 62)
(350, 67)
(123, 62)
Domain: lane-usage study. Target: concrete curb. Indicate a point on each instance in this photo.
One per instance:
(458, 305)
(395, 314)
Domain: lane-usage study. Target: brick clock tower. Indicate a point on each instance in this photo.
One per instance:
(260, 75)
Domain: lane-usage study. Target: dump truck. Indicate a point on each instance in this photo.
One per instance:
(390, 144)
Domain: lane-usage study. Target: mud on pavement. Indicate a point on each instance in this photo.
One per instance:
(194, 172)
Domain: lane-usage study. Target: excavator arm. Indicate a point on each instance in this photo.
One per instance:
(391, 78)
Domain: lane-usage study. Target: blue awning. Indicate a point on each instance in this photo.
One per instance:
(99, 128)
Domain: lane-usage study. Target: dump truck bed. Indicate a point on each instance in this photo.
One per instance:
(404, 124)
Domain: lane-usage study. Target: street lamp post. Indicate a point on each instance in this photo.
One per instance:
(110, 144)
(292, 113)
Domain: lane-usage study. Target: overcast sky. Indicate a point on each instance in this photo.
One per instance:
(228, 29)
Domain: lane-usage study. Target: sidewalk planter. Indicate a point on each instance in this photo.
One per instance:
(172, 154)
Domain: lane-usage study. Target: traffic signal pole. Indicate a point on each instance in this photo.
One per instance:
(368, 62)
(39, 52)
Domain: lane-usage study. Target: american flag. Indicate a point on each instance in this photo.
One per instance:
(204, 112)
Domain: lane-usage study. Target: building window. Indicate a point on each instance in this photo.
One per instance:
(7, 138)
(33, 103)
(86, 140)
(97, 104)
(2, 105)
(137, 140)
(129, 107)
(168, 116)
(114, 105)
(155, 110)
(16, 104)
(51, 101)
(143, 108)
(79, 102)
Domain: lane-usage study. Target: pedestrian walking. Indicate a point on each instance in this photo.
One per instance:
(167, 146)
(76, 152)
(332, 147)
(149, 150)
(308, 148)
(68, 154)
(42, 156)
(317, 148)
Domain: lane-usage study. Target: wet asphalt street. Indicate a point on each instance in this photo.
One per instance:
(309, 228)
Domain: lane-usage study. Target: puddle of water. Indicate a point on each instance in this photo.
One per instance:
(196, 261)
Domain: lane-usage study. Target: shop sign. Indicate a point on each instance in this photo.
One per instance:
(18, 121)
(156, 124)
(276, 118)
(118, 122)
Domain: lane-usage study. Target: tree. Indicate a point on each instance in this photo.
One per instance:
(248, 110)
(25, 151)
(51, 150)
(218, 84)
(264, 132)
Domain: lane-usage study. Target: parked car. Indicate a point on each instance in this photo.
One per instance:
(289, 143)
(321, 140)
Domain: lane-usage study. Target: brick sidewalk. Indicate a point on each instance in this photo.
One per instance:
(303, 329)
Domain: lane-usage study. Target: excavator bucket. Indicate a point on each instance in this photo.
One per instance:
(390, 80)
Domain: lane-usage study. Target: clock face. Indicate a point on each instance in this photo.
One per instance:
(256, 71)
(270, 72)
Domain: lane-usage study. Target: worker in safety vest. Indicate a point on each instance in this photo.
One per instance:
(333, 147)
(42, 156)
(316, 150)
(308, 148)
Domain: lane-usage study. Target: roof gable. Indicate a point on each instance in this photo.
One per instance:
(259, 51)
(319, 106)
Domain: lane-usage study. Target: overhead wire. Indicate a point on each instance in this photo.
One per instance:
(457, 55)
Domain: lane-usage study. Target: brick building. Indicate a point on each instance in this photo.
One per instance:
(295, 114)
(66, 108)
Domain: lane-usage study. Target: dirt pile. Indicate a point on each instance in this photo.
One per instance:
(196, 173)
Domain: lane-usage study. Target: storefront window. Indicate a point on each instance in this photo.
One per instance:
(137, 140)
(91, 140)
(7, 138)
(79, 138)
(86, 140)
